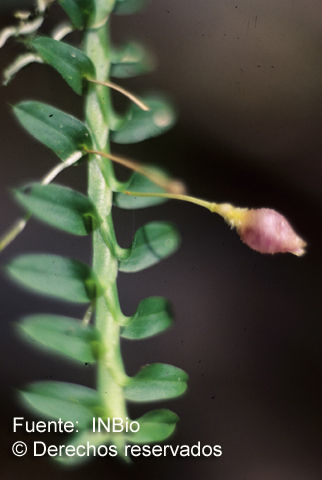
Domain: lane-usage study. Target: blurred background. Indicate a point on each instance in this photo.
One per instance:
(246, 77)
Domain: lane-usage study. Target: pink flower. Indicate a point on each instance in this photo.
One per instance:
(267, 231)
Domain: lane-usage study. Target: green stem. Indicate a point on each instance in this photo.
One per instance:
(213, 207)
(234, 216)
(111, 374)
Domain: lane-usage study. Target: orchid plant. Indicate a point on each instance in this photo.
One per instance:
(96, 339)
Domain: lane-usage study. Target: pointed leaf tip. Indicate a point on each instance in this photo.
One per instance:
(72, 64)
(57, 130)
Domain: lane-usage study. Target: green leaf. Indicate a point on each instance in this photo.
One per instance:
(67, 401)
(72, 64)
(54, 276)
(79, 11)
(127, 7)
(63, 335)
(59, 131)
(60, 207)
(157, 381)
(130, 60)
(139, 125)
(155, 426)
(152, 243)
(138, 183)
(81, 438)
(152, 317)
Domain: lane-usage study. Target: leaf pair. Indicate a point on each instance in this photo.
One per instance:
(73, 212)
(69, 279)
(65, 134)
(72, 280)
(76, 68)
(79, 404)
(154, 382)
(70, 338)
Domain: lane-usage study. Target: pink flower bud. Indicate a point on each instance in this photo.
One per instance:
(267, 231)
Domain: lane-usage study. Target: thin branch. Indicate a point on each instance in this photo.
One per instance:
(61, 31)
(173, 186)
(13, 232)
(20, 62)
(124, 92)
(52, 174)
(21, 223)
(232, 215)
(25, 26)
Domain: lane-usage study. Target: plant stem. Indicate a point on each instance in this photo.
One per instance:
(234, 216)
(9, 236)
(162, 181)
(124, 92)
(111, 374)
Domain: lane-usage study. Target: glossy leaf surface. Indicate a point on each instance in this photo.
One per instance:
(72, 64)
(59, 131)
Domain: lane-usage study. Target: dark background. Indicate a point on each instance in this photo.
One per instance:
(246, 77)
